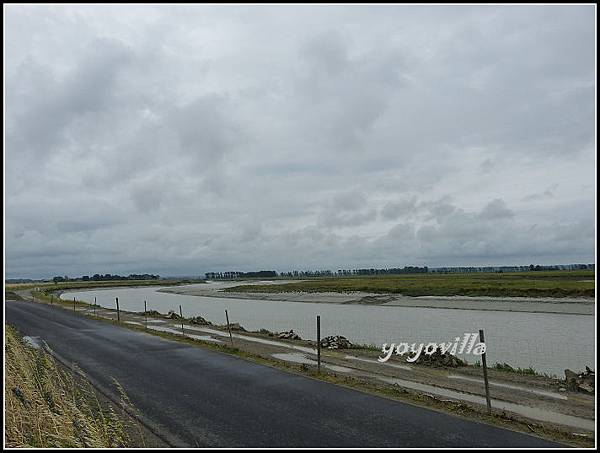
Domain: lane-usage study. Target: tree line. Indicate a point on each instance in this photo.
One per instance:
(105, 277)
(393, 271)
(349, 272)
(238, 274)
(314, 273)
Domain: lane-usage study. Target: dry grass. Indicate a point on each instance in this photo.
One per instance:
(46, 406)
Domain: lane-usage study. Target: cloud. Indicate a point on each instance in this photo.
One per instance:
(178, 140)
(548, 193)
(347, 209)
(395, 209)
(495, 210)
(55, 108)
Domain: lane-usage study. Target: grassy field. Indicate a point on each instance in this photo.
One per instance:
(49, 286)
(517, 284)
(46, 406)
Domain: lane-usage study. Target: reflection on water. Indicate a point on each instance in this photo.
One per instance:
(547, 342)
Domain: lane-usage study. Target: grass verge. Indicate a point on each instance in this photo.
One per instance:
(10, 295)
(48, 407)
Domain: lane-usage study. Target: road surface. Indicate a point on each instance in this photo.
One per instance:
(195, 397)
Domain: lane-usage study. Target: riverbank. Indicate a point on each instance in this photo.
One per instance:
(94, 284)
(527, 402)
(563, 305)
(544, 341)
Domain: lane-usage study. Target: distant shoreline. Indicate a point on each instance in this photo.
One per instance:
(571, 306)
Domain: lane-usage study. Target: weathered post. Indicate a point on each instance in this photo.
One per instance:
(51, 299)
(118, 311)
(229, 327)
(73, 305)
(94, 305)
(181, 316)
(318, 343)
(146, 314)
(485, 376)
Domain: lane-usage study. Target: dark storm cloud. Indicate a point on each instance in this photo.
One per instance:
(181, 139)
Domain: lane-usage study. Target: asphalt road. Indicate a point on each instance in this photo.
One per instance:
(196, 397)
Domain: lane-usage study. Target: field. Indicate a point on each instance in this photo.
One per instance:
(49, 286)
(517, 284)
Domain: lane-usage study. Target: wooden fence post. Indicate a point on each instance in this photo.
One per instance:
(318, 343)
(118, 311)
(181, 315)
(229, 327)
(485, 376)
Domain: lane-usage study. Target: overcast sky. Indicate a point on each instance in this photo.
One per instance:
(185, 139)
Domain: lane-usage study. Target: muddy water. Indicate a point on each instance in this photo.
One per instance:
(547, 342)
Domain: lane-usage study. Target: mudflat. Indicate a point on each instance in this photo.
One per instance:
(564, 305)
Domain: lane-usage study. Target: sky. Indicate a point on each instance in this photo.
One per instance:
(184, 139)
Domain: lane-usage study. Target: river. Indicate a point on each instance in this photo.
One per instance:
(547, 342)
